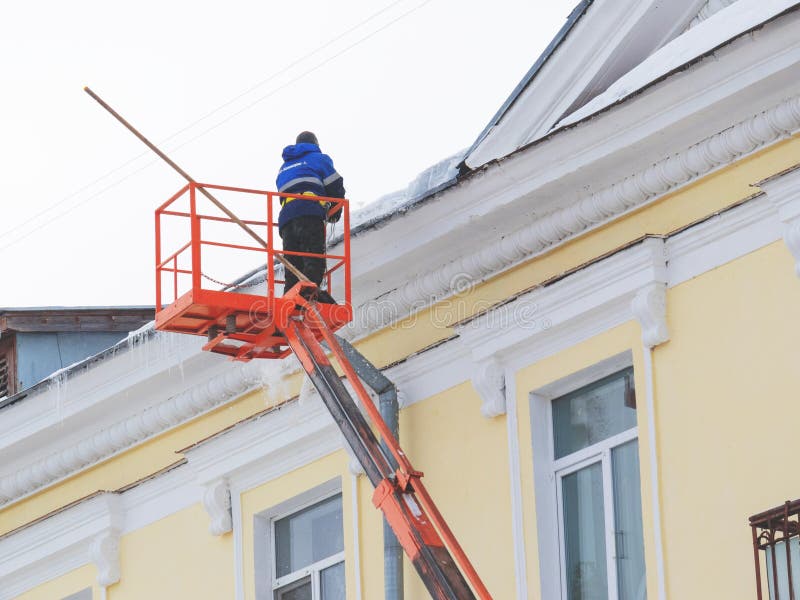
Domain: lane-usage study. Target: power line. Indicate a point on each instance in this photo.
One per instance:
(301, 76)
(208, 115)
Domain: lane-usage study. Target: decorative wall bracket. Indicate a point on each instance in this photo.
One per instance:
(649, 306)
(104, 553)
(217, 502)
(488, 379)
(783, 190)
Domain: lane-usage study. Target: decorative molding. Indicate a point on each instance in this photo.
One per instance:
(217, 502)
(577, 307)
(783, 191)
(83, 533)
(158, 497)
(722, 238)
(132, 430)
(649, 306)
(264, 447)
(104, 553)
(557, 227)
(489, 380)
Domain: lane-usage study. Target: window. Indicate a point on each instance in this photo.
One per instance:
(306, 549)
(82, 595)
(776, 533)
(591, 475)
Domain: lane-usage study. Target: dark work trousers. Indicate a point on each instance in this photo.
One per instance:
(304, 234)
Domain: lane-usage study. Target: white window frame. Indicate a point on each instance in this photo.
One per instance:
(264, 546)
(549, 472)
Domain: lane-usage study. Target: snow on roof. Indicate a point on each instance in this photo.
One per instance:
(430, 181)
(721, 27)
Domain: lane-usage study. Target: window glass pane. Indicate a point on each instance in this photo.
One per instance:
(332, 582)
(593, 413)
(782, 569)
(295, 591)
(584, 534)
(310, 535)
(628, 522)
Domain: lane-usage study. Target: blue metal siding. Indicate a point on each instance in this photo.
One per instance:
(41, 354)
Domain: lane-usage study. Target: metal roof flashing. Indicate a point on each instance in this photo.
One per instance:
(572, 19)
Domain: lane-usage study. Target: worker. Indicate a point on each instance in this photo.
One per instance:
(301, 223)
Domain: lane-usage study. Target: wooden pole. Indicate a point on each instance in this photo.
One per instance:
(297, 272)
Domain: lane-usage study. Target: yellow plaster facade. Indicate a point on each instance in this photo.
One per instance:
(728, 369)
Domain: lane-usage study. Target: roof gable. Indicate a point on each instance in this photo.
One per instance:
(604, 39)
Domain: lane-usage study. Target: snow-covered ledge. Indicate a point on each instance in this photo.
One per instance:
(559, 315)
(84, 533)
(783, 191)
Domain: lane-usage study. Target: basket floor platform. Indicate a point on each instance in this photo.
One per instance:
(243, 326)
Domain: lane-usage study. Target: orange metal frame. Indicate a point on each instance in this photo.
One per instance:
(239, 325)
(418, 528)
(246, 326)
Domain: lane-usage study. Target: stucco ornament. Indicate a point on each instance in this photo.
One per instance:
(104, 553)
(217, 502)
(649, 306)
(783, 191)
(488, 379)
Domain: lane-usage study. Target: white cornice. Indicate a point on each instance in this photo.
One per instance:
(561, 225)
(598, 294)
(248, 451)
(235, 381)
(87, 532)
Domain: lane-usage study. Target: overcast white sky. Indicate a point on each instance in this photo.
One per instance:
(390, 87)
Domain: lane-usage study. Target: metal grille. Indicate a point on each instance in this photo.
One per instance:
(776, 533)
(4, 375)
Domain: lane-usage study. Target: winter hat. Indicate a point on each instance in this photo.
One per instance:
(306, 137)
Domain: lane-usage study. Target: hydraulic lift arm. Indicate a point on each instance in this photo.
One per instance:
(399, 492)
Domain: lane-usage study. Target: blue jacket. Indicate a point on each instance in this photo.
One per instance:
(306, 169)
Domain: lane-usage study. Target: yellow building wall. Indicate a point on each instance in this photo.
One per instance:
(175, 557)
(726, 389)
(718, 435)
(66, 585)
(464, 457)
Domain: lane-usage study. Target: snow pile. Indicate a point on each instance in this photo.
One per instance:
(722, 26)
(423, 185)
